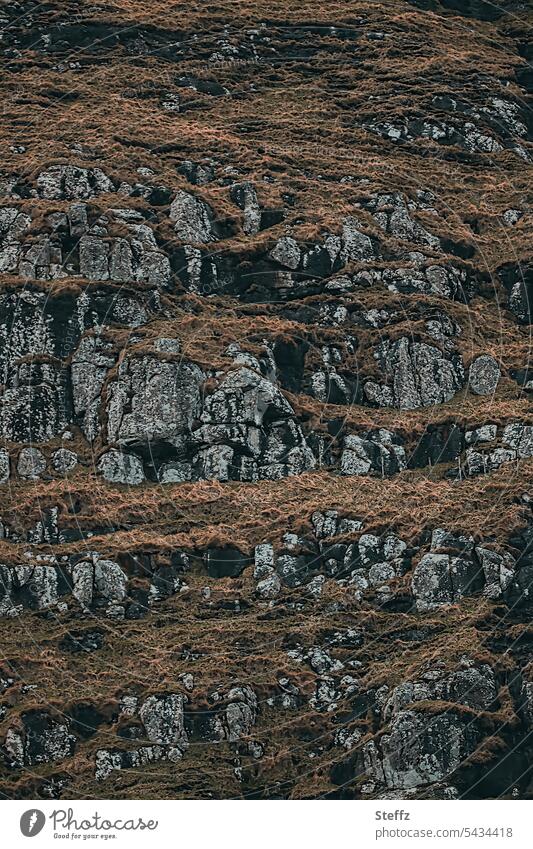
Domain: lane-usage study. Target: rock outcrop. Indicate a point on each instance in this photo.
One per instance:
(265, 314)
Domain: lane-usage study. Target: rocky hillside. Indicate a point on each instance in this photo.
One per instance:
(266, 305)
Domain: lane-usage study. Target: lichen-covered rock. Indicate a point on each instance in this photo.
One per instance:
(487, 130)
(393, 213)
(513, 444)
(97, 581)
(371, 564)
(440, 579)
(64, 461)
(193, 219)
(269, 587)
(13, 225)
(162, 717)
(498, 571)
(519, 438)
(76, 243)
(420, 749)
(36, 403)
(119, 467)
(153, 400)
(68, 182)
(31, 463)
(472, 685)
(485, 433)
(356, 245)
(419, 374)
(90, 364)
(109, 580)
(42, 740)
(444, 281)
(287, 252)
(379, 453)
(4, 466)
(483, 375)
(240, 714)
(33, 586)
(109, 760)
(518, 280)
(245, 195)
(249, 432)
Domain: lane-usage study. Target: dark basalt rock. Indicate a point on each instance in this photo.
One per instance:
(442, 444)
(518, 281)
(225, 562)
(485, 10)
(42, 740)
(82, 641)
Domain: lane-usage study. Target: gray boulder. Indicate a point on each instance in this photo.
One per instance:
(28, 586)
(31, 463)
(519, 438)
(162, 717)
(269, 587)
(249, 432)
(90, 364)
(377, 453)
(193, 219)
(4, 465)
(498, 571)
(246, 197)
(421, 748)
(441, 579)
(240, 714)
(152, 400)
(97, 581)
(484, 375)
(41, 740)
(356, 245)
(64, 461)
(287, 252)
(94, 258)
(117, 467)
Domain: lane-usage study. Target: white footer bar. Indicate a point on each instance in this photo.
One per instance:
(267, 825)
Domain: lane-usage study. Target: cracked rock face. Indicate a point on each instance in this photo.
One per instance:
(265, 394)
(152, 400)
(250, 430)
(42, 740)
(404, 762)
(193, 219)
(419, 375)
(162, 717)
(90, 364)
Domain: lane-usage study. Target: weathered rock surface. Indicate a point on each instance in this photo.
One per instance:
(265, 311)
(419, 375)
(483, 375)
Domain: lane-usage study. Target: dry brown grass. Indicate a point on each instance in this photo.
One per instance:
(302, 130)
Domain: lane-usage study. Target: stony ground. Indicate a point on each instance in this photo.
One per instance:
(265, 319)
